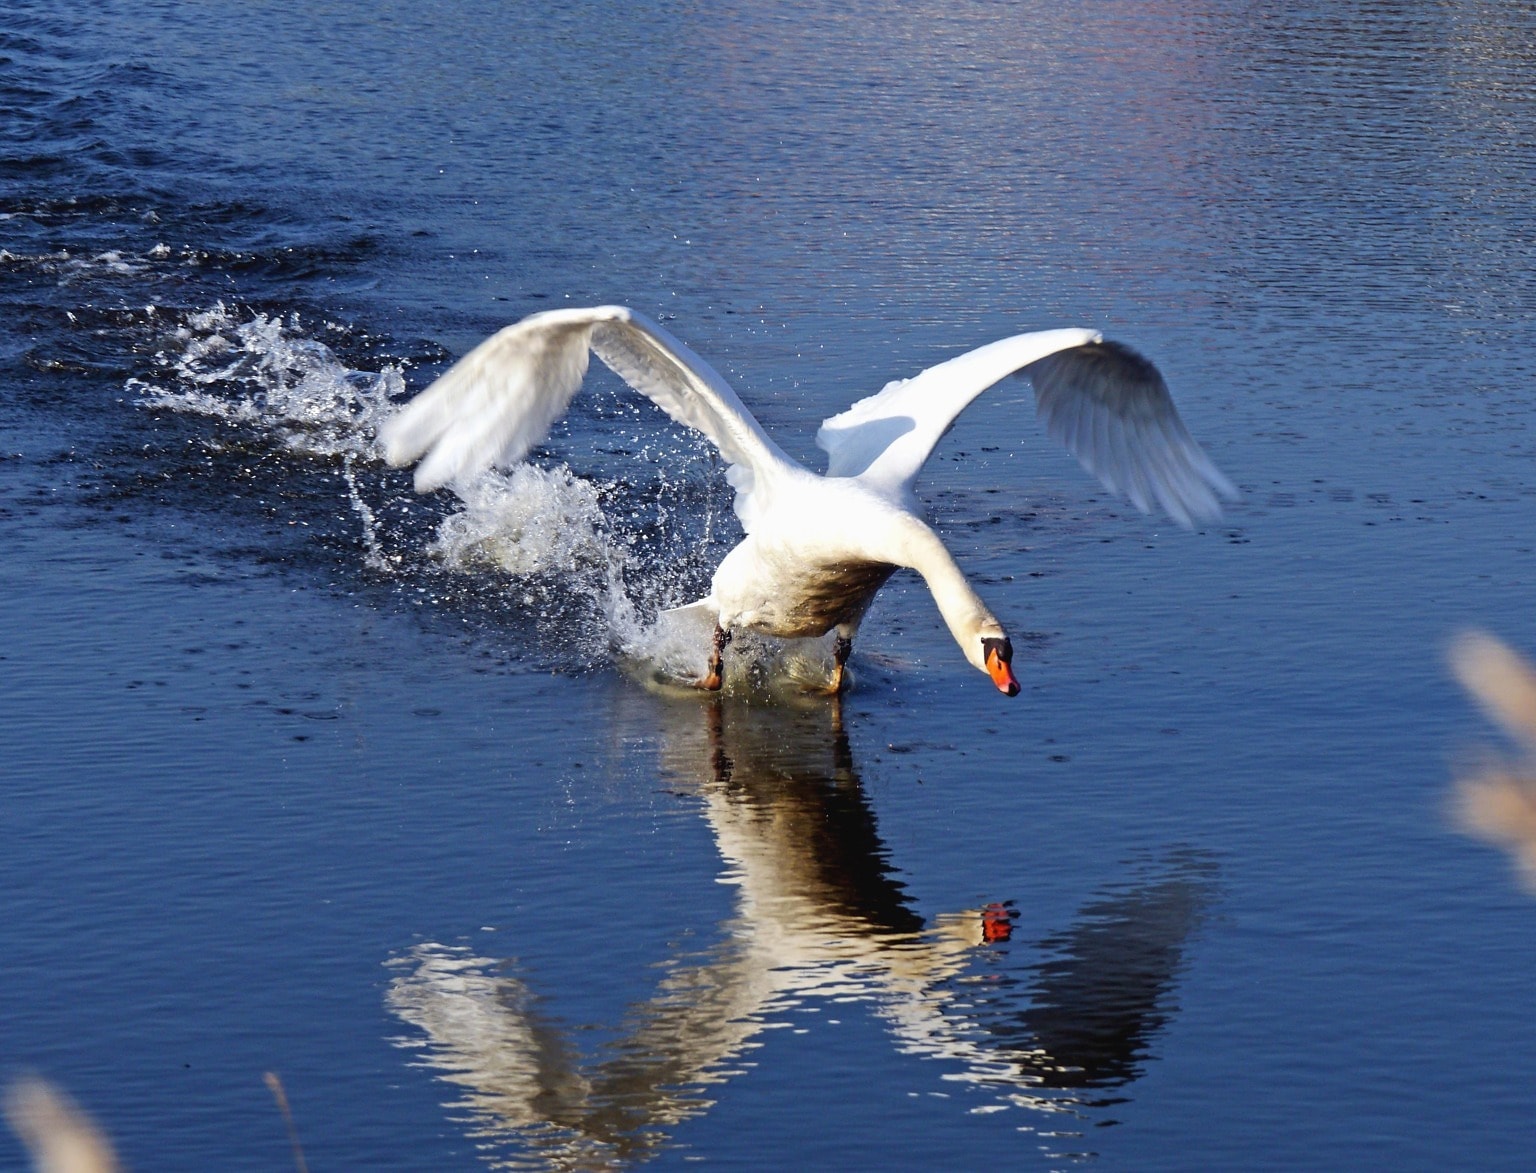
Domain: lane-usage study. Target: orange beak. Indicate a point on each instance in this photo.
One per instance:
(1001, 672)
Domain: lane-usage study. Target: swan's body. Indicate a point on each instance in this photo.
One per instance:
(817, 548)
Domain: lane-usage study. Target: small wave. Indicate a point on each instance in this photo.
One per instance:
(68, 267)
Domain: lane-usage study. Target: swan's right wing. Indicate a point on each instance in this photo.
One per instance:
(886, 438)
(1102, 401)
(1110, 408)
(498, 401)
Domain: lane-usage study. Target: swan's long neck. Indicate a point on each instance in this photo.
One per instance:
(967, 616)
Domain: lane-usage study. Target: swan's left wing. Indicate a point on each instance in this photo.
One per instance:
(1102, 401)
(500, 399)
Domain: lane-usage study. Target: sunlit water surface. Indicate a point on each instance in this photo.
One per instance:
(306, 774)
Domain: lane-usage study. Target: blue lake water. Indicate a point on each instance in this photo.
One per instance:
(306, 774)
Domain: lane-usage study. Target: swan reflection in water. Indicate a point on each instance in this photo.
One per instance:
(819, 914)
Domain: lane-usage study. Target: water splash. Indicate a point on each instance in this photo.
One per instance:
(265, 373)
(373, 555)
(591, 564)
(547, 530)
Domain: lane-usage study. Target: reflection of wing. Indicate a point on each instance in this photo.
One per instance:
(819, 913)
(484, 1032)
(1098, 1002)
(1089, 1010)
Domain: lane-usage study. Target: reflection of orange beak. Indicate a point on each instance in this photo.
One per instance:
(1001, 673)
(996, 923)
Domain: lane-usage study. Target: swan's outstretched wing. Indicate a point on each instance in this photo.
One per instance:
(1109, 407)
(1105, 403)
(886, 438)
(501, 398)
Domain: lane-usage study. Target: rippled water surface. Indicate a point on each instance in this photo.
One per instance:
(306, 774)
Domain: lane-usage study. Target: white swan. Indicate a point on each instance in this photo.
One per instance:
(817, 548)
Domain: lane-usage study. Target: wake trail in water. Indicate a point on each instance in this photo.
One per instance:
(591, 562)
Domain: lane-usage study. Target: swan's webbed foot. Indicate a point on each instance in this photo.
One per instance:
(714, 677)
(842, 648)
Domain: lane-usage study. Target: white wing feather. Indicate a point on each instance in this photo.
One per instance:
(1109, 407)
(887, 438)
(1102, 401)
(500, 399)
(494, 404)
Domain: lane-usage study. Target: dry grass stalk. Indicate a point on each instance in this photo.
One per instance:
(276, 1086)
(1499, 802)
(1501, 680)
(60, 1137)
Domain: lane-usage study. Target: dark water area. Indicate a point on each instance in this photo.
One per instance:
(304, 773)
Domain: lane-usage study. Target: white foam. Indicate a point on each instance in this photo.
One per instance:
(543, 528)
(530, 520)
(536, 523)
(264, 372)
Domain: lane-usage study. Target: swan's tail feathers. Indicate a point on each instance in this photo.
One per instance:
(1110, 408)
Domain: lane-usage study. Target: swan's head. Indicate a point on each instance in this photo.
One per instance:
(997, 662)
